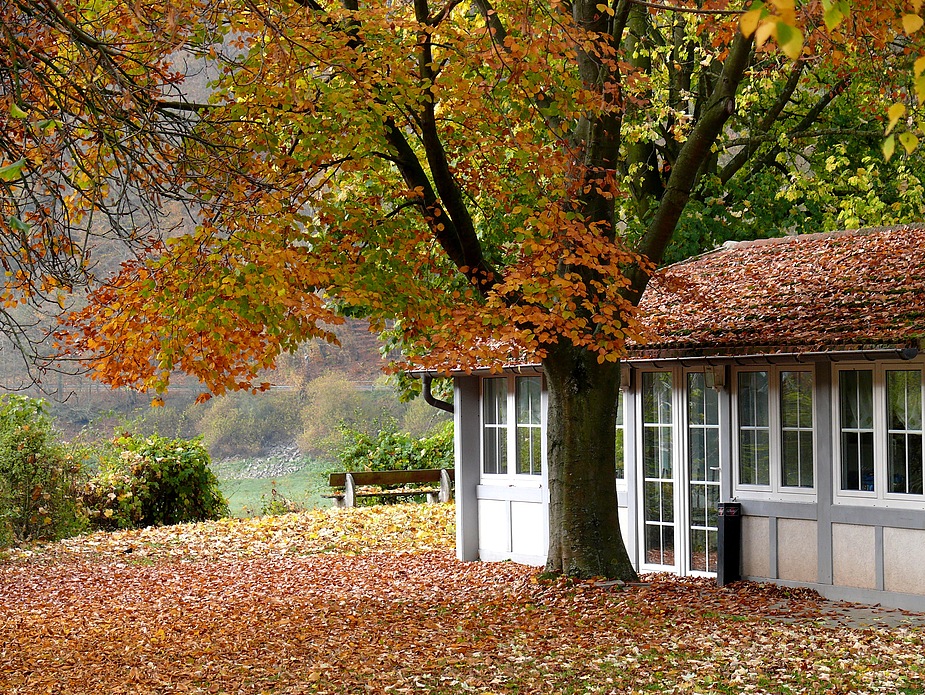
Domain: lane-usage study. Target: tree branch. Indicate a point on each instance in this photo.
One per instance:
(684, 10)
(742, 157)
(811, 117)
(444, 181)
(684, 173)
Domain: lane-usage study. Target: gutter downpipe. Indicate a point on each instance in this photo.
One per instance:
(429, 397)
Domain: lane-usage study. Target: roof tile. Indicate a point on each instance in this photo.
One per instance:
(844, 290)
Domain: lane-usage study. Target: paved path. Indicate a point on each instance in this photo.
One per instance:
(853, 615)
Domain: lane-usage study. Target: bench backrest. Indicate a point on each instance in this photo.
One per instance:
(425, 475)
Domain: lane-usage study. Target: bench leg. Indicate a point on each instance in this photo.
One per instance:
(350, 492)
(446, 486)
(433, 497)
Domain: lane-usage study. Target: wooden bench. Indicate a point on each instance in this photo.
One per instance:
(356, 485)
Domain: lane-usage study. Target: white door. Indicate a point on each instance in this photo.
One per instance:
(679, 481)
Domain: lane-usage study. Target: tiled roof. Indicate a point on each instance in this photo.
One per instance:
(846, 290)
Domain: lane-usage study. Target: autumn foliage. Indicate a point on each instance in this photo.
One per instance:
(486, 184)
(372, 601)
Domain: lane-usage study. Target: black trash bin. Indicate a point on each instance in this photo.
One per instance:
(729, 543)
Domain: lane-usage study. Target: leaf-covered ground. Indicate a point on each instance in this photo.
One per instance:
(373, 601)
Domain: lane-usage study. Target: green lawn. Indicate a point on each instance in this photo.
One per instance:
(249, 489)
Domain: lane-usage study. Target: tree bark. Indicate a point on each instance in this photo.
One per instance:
(584, 528)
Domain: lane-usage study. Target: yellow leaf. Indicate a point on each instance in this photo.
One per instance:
(888, 146)
(896, 112)
(919, 66)
(912, 23)
(909, 141)
(916, 6)
(764, 31)
(920, 88)
(748, 22)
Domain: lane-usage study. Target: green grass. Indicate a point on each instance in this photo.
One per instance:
(247, 496)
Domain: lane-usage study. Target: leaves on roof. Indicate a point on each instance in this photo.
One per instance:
(862, 288)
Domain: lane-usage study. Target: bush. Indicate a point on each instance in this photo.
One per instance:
(39, 478)
(154, 481)
(391, 450)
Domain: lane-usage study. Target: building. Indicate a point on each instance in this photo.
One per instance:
(782, 374)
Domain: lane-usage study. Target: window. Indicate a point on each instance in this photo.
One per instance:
(621, 433)
(774, 430)
(703, 436)
(856, 407)
(657, 468)
(904, 431)
(494, 436)
(529, 425)
(880, 432)
(517, 445)
(796, 425)
(754, 429)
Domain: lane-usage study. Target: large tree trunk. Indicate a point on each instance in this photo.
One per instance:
(584, 529)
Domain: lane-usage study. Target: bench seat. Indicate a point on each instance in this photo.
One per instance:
(383, 484)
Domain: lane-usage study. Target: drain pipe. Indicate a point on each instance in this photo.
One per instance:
(429, 397)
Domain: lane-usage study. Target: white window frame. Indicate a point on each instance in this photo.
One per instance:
(678, 511)
(511, 474)
(775, 490)
(880, 496)
(622, 400)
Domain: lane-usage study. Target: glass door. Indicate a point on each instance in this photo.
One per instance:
(702, 473)
(658, 483)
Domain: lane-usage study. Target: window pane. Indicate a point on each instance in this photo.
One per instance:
(904, 400)
(495, 401)
(866, 399)
(712, 455)
(494, 431)
(527, 405)
(896, 463)
(698, 494)
(712, 504)
(667, 501)
(753, 399)
(746, 464)
(764, 457)
(790, 458)
(494, 459)
(656, 435)
(697, 454)
(796, 399)
(754, 432)
(527, 399)
(656, 397)
(650, 456)
(806, 467)
(620, 466)
(796, 407)
(855, 394)
(652, 499)
(915, 465)
(529, 450)
(696, 404)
